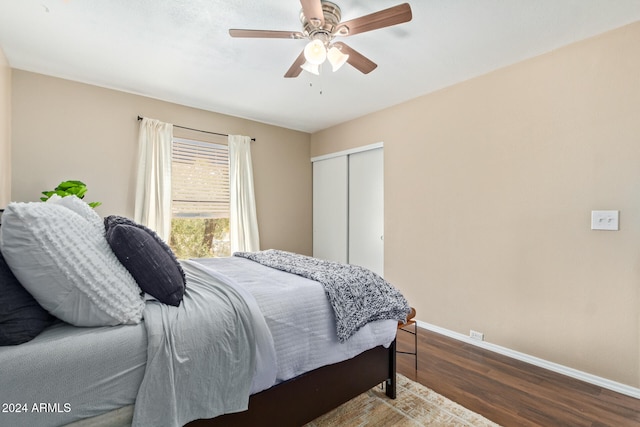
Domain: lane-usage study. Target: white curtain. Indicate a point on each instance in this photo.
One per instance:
(243, 222)
(153, 188)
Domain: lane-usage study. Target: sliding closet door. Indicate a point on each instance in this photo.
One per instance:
(330, 210)
(366, 210)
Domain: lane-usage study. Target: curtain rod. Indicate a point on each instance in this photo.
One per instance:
(198, 130)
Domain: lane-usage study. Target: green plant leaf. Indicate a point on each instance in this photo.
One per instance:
(70, 184)
(68, 188)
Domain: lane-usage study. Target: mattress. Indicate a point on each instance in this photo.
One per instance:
(68, 373)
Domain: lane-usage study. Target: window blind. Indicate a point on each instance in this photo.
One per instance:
(200, 179)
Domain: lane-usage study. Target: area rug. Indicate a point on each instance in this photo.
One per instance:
(414, 406)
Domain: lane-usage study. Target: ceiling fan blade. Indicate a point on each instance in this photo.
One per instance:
(312, 10)
(356, 59)
(266, 34)
(383, 18)
(295, 70)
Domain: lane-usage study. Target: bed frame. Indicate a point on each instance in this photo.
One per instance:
(302, 399)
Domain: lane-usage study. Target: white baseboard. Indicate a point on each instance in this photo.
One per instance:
(555, 367)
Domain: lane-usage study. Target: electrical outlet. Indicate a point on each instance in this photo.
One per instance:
(476, 335)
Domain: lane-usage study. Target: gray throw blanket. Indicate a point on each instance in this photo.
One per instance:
(358, 295)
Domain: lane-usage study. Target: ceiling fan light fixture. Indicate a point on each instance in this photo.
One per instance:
(311, 68)
(336, 58)
(315, 52)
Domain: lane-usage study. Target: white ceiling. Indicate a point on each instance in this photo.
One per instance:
(180, 50)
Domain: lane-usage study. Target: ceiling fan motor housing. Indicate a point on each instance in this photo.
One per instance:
(314, 29)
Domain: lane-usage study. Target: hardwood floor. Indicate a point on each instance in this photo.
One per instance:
(510, 392)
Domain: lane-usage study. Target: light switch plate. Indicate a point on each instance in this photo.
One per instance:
(605, 220)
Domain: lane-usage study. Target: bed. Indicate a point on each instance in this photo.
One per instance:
(294, 357)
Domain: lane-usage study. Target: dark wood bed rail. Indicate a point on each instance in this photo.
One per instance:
(302, 399)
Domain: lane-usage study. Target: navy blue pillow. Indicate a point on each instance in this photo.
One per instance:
(21, 317)
(148, 258)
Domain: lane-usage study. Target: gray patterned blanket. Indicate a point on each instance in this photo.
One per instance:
(358, 295)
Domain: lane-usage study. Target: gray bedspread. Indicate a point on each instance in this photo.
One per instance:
(358, 295)
(193, 371)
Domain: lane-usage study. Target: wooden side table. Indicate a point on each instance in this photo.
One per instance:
(401, 327)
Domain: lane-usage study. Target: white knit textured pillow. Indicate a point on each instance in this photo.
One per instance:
(65, 262)
(81, 208)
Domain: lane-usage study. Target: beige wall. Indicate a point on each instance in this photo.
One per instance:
(489, 186)
(5, 131)
(67, 130)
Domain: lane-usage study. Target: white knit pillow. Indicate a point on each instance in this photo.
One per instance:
(65, 262)
(81, 208)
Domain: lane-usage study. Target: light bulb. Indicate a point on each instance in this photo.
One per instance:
(336, 58)
(312, 68)
(315, 52)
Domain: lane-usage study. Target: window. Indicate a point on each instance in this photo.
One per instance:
(200, 199)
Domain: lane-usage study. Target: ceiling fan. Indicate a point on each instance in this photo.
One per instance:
(321, 25)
